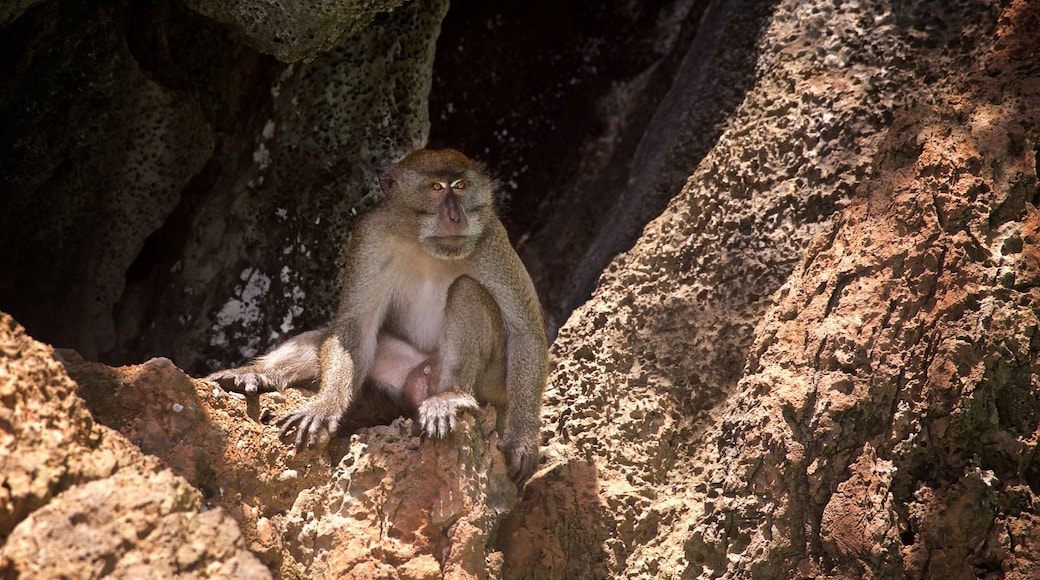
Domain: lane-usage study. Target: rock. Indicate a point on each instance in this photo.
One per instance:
(131, 525)
(216, 442)
(292, 31)
(398, 507)
(915, 365)
(720, 392)
(44, 428)
(371, 503)
(196, 151)
(84, 501)
(14, 9)
(80, 500)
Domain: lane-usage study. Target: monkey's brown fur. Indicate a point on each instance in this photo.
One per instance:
(436, 309)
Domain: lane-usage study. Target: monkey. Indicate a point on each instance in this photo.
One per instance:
(436, 309)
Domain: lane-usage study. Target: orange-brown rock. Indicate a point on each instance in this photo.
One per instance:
(394, 506)
(821, 360)
(80, 500)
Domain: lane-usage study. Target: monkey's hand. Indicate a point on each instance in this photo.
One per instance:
(242, 380)
(314, 423)
(521, 457)
(438, 413)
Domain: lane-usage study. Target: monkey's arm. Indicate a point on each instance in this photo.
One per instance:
(320, 416)
(472, 342)
(527, 367)
(346, 354)
(527, 360)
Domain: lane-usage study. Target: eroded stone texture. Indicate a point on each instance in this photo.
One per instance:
(227, 182)
(213, 439)
(13, 9)
(889, 419)
(401, 507)
(131, 525)
(293, 31)
(43, 426)
(383, 503)
(645, 388)
(117, 149)
(79, 500)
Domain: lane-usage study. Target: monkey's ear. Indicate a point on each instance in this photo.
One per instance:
(492, 182)
(387, 179)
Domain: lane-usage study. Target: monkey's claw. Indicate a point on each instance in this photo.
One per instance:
(240, 381)
(521, 460)
(438, 414)
(312, 426)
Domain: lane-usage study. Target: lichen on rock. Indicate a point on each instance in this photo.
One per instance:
(294, 31)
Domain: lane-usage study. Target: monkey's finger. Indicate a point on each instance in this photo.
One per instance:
(287, 424)
(426, 425)
(431, 425)
(527, 468)
(225, 378)
(214, 376)
(513, 465)
(304, 434)
(235, 381)
(520, 464)
(444, 425)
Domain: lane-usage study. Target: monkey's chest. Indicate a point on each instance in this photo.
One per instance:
(417, 311)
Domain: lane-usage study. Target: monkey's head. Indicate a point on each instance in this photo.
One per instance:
(449, 196)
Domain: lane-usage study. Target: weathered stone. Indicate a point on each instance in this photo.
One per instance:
(131, 525)
(79, 500)
(401, 507)
(294, 31)
(707, 462)
(228, 182)
(13, 9)
(395, 506)
(43, 425)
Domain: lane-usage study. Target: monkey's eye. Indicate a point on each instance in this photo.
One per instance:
(436, 186)
(458, 184)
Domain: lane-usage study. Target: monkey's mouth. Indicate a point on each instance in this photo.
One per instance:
(448, 241)
(450, 247)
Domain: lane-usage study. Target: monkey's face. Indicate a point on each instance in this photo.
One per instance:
(449, 196)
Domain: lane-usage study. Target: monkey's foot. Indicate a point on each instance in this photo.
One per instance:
(314, 424)
(437, 415)
(521, 459)
(242, 380)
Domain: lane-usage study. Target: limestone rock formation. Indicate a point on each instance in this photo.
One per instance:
(80, 500)
(227, 181)
(140, 470)
(293, 31)
(824, 350)
(819, 360)
(399, 507)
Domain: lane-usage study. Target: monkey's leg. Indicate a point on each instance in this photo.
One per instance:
(405, 373)
(471, 358)
(292, 363)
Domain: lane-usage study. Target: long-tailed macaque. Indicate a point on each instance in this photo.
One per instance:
(436, 309)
